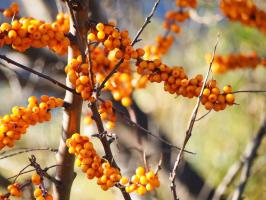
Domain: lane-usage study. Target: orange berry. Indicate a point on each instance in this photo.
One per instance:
(141, 190)
(101, 35)
(230, 99)
(37, 192)
(36, 179)
(227, 89)
(100, 27)
(140, 171)
(91, 37)
(126, 101)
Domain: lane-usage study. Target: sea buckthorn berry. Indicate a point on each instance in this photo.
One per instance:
(230, 99)
(227, 89)
(36, 179)
(140, 171)
(100, 27)
(126, 101)
(14, 190)
(49, 197)
(37, 192)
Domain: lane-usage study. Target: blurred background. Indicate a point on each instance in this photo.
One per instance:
(218, 139)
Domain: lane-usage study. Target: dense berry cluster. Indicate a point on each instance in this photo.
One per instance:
(244, 11)
(25, 32)
(91, 163)
(14, 125)
(13, 10)
(173, 19)
(176, 82)
(39, 192)
(115, 46)
(142, 182)
(223, 64)
(114, 39)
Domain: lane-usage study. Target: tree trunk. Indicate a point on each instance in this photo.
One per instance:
(71, 123)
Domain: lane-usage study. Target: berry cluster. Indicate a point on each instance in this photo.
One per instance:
(115, 46)
(172, 22)
(113, 39)
(142, 182)
(176, 82)
(14, 190)
(13, 10)
(223, 64)
(91, 163)
(78, 75)
(14, 125)
(245, 12)
(25, 32)
(39, 192)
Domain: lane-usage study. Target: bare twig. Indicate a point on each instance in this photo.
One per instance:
(32, 170)
(190, 128)
(28, 150)
(249, 91)
(228, 179)
(3, 57)
(249, 156)
(146, 22)
(76, 25)
(200, 118)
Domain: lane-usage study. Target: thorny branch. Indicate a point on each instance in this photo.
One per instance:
(190, 128)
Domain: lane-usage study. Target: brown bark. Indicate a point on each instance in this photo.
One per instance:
(71, 124)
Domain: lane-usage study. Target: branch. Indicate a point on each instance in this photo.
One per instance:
(248, 158)
(28, 150)
(3, 57)
(106, 145)
(190, 128)
(146, 22)
(249, 91)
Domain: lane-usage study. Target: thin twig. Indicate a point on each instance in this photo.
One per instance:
(249, 91)
(32, 170)
(190, 128)
(3, 57)
(200, 118)
(28, 150)
(249, 157)
(78, 29)
(146, 22)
